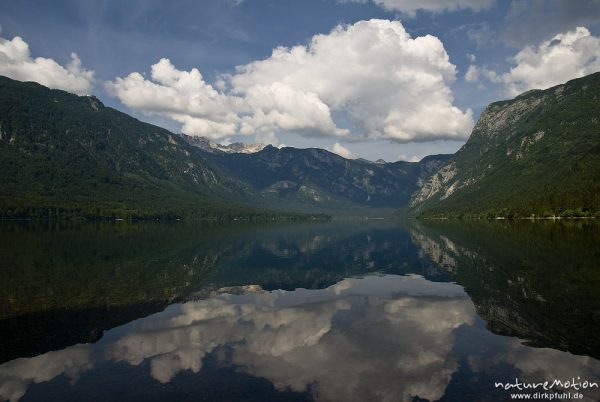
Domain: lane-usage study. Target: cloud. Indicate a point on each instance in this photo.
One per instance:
(373, 73)
(16, 63)
(472, 74)
(182, 96)
(472, 58)
(410, 7)
(395, 335)
(16, 375)
(342, 151)
(481, 34)
(394, 327)
(403, 157)
(566, 56)
(523, 25)
(535, 364)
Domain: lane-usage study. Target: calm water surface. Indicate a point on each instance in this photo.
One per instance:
(356, 311)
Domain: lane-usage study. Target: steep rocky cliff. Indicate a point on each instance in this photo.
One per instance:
(538, 154)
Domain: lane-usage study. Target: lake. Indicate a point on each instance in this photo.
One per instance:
(340, 311)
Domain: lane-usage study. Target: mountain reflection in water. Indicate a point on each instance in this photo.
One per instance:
(377, 320)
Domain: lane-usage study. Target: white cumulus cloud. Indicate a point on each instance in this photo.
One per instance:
(342, 151)
(181, 95)
(16, 63)
(472, 74)
(568, 55)
(394, 327)
(403, 157)
(373, 73)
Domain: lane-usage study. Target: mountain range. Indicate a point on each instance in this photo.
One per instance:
(318, 180)
(63, 154)
(68, 155)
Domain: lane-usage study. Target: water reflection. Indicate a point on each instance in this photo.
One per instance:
(539, 281)
(66, 285)
(383, 338)
(311, 312)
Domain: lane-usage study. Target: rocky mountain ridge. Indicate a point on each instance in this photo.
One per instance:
(316, 179)
(211, 146)
(537, 154)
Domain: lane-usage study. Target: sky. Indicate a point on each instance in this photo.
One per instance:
(377, 79)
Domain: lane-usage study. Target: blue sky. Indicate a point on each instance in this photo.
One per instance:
(270, 99)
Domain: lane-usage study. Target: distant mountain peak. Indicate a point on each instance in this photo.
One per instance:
(377, 162)
(239, 147)
(233, 148)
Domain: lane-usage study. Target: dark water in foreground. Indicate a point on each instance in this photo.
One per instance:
(329, 312)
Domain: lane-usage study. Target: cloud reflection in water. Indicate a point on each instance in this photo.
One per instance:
(385, 338)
